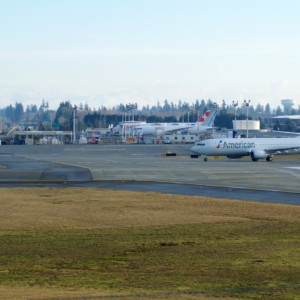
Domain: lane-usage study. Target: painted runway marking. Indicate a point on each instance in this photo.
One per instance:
(229, 176)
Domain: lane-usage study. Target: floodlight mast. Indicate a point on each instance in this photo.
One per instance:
(74, 124)
(235, 104)
(215, 107)
(247, 103)
(189, 108)
(130, 108)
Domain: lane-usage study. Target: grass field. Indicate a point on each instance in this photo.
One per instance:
(73, 242)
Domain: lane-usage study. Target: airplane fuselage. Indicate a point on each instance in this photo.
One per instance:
(142, 128)
(155, 128)
(255, 147)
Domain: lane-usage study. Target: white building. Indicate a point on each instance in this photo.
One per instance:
(287, 105)
(244, 124)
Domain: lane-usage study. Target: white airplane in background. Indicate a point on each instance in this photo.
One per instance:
(204, 123)
(256, 148)
(142, 128)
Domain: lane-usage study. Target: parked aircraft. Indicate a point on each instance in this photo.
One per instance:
(256, 148)
(204, 123)
(142, 128)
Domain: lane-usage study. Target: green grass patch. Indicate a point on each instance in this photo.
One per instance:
(146, 259)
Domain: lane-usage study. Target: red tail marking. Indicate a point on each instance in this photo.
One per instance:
(204, 116)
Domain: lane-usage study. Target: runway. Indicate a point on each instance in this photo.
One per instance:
(20, 169)
(145, 167)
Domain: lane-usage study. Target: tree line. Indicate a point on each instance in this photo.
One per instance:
(62, 118)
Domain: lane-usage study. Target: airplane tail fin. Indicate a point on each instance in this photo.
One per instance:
(207, 118)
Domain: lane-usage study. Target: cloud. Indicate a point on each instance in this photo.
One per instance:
(284, 83)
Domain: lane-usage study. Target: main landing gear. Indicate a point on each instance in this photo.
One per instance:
(269, 158)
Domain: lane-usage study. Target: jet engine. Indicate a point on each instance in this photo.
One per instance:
(258, 154)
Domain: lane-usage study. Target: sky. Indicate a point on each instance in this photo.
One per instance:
(107, 52)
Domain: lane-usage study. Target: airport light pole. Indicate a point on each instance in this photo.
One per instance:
(127, 108)
(126, 112)
(215, 107)
(235, 104)
(130, 108)
(247, 103)
(192, 109)
(74, 124)
(198, 125)
(188, 111)
(133, 106)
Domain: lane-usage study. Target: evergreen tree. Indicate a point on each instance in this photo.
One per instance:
(173, 106)
(268, 109)
(33, 108)
(170, 119)
(159, 108)
(19, 112)
(259, 109)
(202, 105)
(166, 107)
(10, 113)
(179, 106)
(64, 115)
(279, 111)
(224, 119)
(293, 111)
(154, 119)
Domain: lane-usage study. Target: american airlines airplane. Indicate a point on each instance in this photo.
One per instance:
(142, 128)
(256, 148)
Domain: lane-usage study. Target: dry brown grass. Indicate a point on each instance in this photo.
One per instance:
(91, 208)
(26, 293)
(33, 208)
(39, 293)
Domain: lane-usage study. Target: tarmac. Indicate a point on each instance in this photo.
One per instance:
(146, 167)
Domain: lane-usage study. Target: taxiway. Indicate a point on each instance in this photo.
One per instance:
(145, 163)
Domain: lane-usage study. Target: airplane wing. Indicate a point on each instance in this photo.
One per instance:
(288, 132)
(282, 150)
(177, 129)
(186, 128)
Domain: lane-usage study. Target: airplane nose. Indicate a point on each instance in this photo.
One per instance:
(194, 149)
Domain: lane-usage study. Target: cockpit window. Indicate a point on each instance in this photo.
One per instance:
(200, 144)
